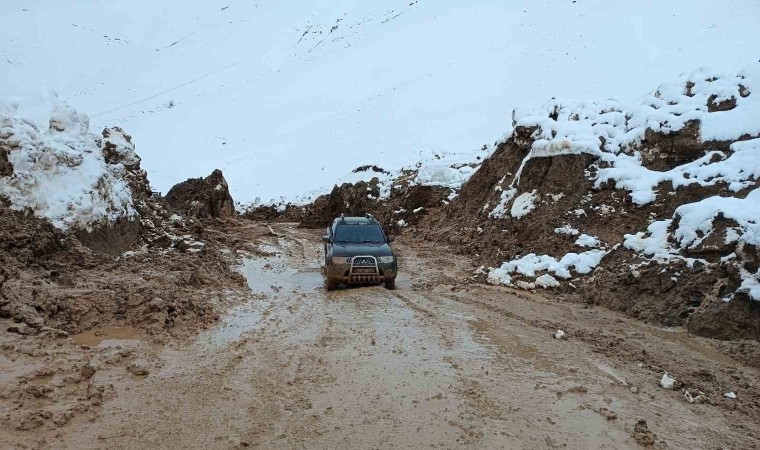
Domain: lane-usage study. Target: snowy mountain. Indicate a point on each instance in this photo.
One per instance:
(287, 97)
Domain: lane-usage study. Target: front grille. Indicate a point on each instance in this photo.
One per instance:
(363, 261)
(363, 270)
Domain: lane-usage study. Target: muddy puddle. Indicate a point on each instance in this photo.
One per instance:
(107, 336)
(270, 278)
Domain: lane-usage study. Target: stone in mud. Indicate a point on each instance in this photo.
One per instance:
(87, 371)
(203, 197)
(138, 370)
(643, 435)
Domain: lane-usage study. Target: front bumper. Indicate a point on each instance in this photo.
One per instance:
(375, 273)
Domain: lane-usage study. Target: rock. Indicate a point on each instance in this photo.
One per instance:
(138, 370)
(730, 395)
(21, 328)
(202, 197)
(87, 371)
(157, 304)
(642, 435)
(118, 148)
(608, 414)
(694, 398)
(559, 334)
(53, 332)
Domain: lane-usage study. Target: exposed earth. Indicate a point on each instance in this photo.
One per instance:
(442, 362)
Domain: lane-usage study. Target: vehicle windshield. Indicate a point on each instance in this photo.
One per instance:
(359, 234)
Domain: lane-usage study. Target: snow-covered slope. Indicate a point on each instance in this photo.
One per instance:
(286, 97)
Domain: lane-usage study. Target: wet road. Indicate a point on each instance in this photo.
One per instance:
(437, 363)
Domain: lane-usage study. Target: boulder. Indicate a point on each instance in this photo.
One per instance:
(202, 197)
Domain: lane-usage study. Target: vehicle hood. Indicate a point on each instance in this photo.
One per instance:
(361, 250)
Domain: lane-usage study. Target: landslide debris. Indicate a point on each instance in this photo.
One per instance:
(405, 204)
(202, 197)
(650, 208)
(101, 249)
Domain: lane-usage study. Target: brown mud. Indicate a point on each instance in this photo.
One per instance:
(442, 362)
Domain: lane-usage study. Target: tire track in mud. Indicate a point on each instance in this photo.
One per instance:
(434, 363)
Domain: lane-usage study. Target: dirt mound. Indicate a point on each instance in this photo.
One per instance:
(159, 291)
(202, 197)
(557, 205)
(169, 277)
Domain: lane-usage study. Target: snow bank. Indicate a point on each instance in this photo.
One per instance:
(59, 171)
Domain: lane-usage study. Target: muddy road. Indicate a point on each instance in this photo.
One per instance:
(438, 363)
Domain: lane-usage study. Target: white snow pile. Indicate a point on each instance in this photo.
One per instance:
(59, 171)
(530, 265)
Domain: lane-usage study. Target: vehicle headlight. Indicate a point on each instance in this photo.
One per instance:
(340, 260)
(387, 259)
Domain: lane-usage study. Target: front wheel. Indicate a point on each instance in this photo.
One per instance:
(390, 284)
(330, 285)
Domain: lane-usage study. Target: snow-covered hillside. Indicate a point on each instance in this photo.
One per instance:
(287, 97)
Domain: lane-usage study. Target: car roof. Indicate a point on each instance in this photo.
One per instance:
(353, 221)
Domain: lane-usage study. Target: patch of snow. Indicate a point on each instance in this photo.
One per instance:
(499, 276)
(584, 240)
(524, 204)
(696, 219)
(501, 209)
(567, 229)
(750, 284)
(547, 281)
(579, 212)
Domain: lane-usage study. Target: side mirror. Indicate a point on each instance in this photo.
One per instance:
(391, 238)
(326, 239)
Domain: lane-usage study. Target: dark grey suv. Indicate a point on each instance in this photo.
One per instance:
(357, 251)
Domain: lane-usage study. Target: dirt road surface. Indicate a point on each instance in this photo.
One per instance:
(438, 363)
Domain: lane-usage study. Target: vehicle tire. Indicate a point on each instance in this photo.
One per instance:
(330, 285)
(390, 284)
